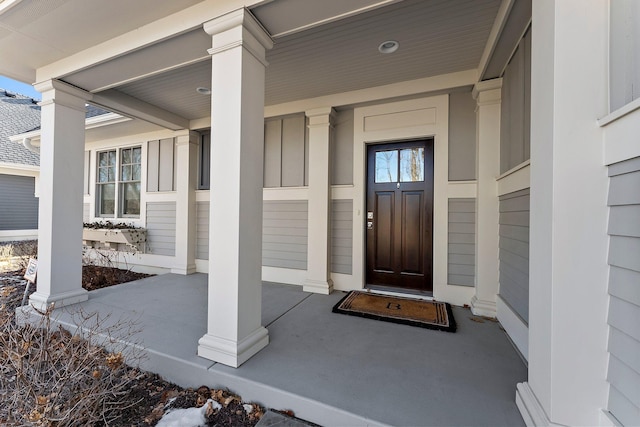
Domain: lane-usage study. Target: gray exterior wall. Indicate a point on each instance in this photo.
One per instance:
(514, 251)
(515, 121)
(624, 291)
(462, 242)
(202, 230)
(462, 137)
(342, 149)
(342, 236)
(161, 228)
(285, 152)
(18, 205)
(284, 234)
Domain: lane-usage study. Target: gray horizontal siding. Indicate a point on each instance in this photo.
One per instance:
(18, 205)
(624, 290)
(514, 251)
(462, 242)
(161, 228)
(342, 236)
(284, 234)
(202, 230)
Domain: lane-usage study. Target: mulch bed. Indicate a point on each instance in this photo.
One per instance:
(150, 396)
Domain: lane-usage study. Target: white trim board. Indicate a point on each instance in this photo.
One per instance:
(284, 275)
(514, 325)
(412, 119)
(17, 235)
(620, 138)
(515, 179)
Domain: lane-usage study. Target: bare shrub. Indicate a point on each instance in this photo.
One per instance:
(15, 255)
(51, 377)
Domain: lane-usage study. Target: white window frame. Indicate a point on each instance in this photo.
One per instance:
(118, 183)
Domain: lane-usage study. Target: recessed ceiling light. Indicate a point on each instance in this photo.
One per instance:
(203, 90)
(389, 46)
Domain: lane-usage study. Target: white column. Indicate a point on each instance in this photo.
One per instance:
(318, 247)
(186, 177)
(60, 205)
(488, 97)
(568, 275)
(234, 331)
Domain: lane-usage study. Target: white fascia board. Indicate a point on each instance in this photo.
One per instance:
(162, 29)
(19, 170)
(105, 120)
(90, 123)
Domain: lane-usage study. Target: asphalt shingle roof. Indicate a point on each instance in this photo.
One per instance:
(18, 114)
(21, 114)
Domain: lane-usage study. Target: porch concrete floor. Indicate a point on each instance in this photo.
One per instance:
(329, 368)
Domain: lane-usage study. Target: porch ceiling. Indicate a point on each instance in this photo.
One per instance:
(317, 51)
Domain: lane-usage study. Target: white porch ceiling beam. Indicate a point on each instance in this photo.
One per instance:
(167, 55)
(494, 35)
(425, 85)
(129, 106)
(162, 29)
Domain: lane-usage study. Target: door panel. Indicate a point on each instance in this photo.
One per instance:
(412, 230)
(400, 215)
(385, 201)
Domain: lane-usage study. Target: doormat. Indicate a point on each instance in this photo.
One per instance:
(407, 311)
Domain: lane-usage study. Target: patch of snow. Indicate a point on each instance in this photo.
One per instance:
(191, 417)
(248, 408)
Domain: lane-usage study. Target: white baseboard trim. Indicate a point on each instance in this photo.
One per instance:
(515, 326)
(483, 308)
(287, 276)
(18, 235)
(530, 409)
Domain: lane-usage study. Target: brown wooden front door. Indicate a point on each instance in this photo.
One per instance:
(399, 217)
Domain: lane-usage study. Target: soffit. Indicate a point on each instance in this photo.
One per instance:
(31, 34)
(436, 37)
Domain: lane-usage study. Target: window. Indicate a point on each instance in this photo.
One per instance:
(410, 165)
(119, 179)
(204, 169)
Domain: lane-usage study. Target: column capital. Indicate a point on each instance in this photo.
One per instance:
(488, 92)
(55, 91)
(238, 28)
(323, 116)
(186, 136)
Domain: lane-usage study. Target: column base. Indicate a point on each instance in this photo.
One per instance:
(318, 286)
(483, 308)
(184, 270)
(233, 353)
(43, 301)
(532, 412)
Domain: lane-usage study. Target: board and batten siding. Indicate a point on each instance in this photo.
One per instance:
(624, 291)
(202, 230)
(284, 234)
(161, 228)
(342, 236)
(462, 242)
(515, 120)
(286, 154)
(18, 204)
(514, 251)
